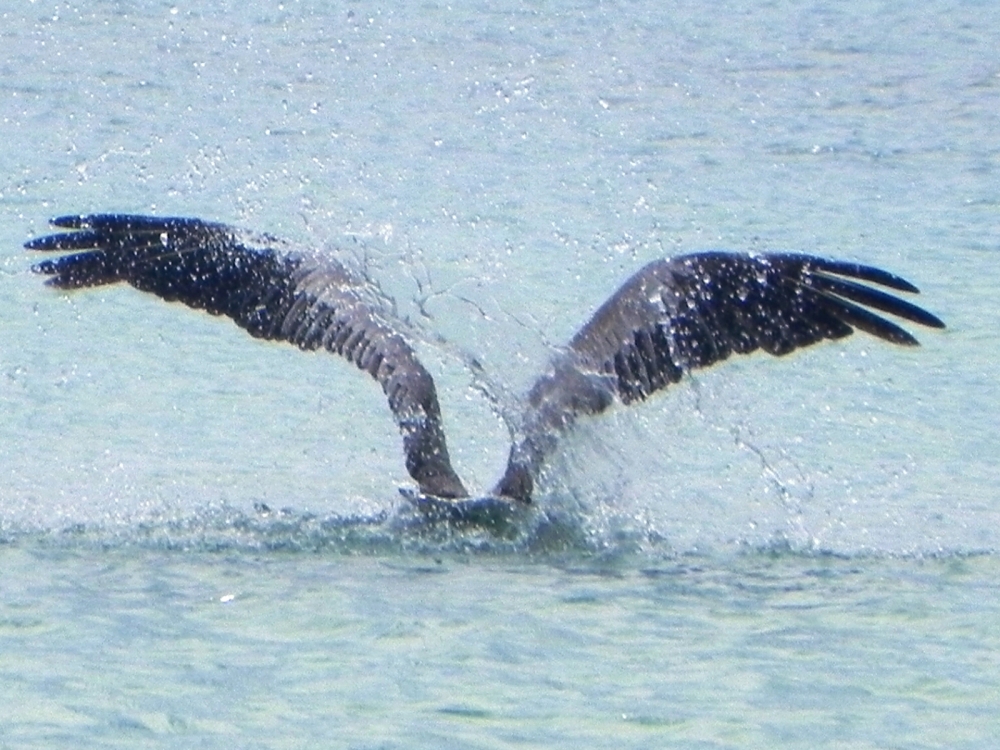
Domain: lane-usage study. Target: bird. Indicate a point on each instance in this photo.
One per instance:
(672, 316)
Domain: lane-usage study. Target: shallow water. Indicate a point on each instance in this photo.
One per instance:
(201, 537)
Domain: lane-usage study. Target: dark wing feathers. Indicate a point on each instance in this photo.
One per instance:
(844, 268)
(271, 291)
(673, 316)
(696, 310)
(689, 312)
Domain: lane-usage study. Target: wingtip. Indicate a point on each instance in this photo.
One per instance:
(71, 221)
(863, 272)
(891, 280)
(45, 267)
(54, 241)
(933, 321)
(46, 242)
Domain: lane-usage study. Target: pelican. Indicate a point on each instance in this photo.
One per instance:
(672, 316)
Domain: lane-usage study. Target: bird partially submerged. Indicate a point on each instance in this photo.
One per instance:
(672, 316)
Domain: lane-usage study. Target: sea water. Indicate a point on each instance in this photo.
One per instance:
(201, 539)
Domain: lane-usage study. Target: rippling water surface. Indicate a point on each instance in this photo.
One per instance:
(201, 539)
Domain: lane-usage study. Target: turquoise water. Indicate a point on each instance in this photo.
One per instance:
(201, 539)
(138, 648)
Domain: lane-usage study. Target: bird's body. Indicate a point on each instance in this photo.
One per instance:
(672, 316)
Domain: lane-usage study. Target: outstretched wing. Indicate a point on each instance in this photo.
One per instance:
(270, 290)
(679, 314)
